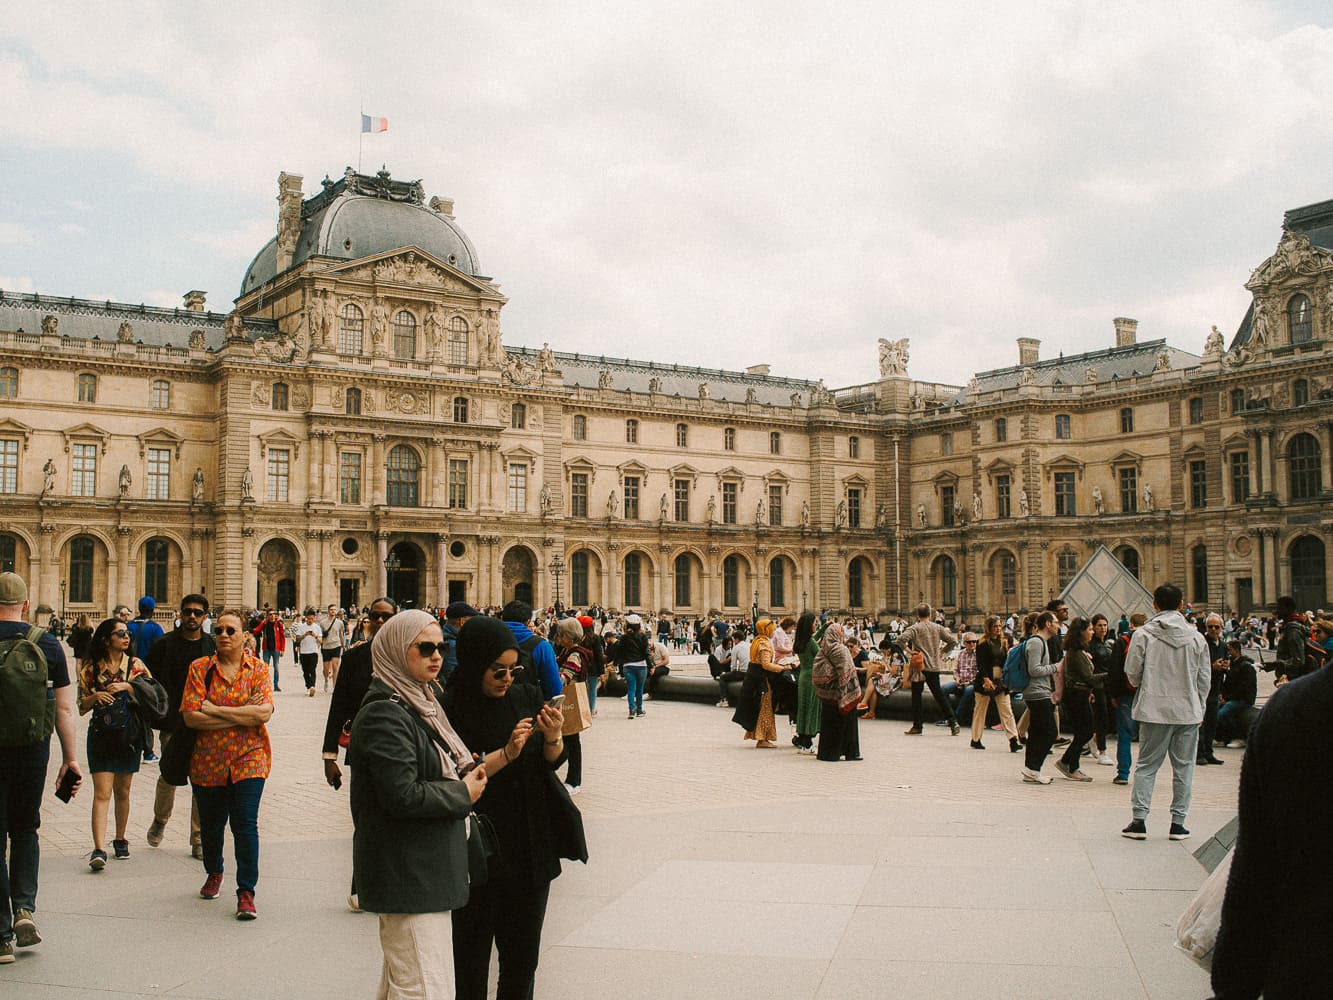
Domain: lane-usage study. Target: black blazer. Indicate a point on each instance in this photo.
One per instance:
(348, 692)
(409, 848)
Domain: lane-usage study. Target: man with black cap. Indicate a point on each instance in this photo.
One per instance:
(455, 615)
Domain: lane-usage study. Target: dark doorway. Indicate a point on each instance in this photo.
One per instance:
(1244, 595)
(349, 593)
(1309, 584)
(287, 592)
(457, 590)
(404, 574)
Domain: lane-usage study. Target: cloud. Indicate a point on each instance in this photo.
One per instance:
(242, 241)
(12, 233)
(17, 283)
(72, 229)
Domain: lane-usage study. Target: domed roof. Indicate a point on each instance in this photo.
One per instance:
(361, 216)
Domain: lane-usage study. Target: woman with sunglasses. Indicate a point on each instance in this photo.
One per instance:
(413, 784)
(113, 755)
(521, 740)
(228, 699)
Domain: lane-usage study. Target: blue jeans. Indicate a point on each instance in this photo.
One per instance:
(22, 778)
(636, 675)
(592, 684)
(271, 657)
(1124, 735)
(1227, 729)
(238, 803)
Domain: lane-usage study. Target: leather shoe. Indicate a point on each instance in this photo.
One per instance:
(914, 731)
(1215, 760)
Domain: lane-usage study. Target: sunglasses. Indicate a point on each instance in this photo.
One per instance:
(500, 673)
(194, 612)
(121, 633)
(429, 649)
(380, 616)
(228, 630)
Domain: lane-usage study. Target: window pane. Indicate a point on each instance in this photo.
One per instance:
(353, 402)
(9, 383)
(518, 487)
(1062, 425)
(1129, 490)
(631, 491)
(1064, 494)
(1001, 429)
(279, 398)
(402, 475)
(351, 326)
(578, 578)
(81, 570)
(774, 443)
(1304, 478)
(729, 493)
(1240, 476)
(947, 499)
(87, 388)
(460, 410)
(458, 341)
(729, 439)
(349, 477)
(1127, 421)
(279, 472)
(631, 432)
(682, 492)
(8, 554)
(159, 474)
(578, 500)
(854, 507)
(775, 506)
(632, 570)
(731, 585)
(83, 475)
(1002, 498)
(404, 334)
(682, 581)
(9, 466)
(854, 584)
(1198, 484)
(518, 417)
(160, 395)
(682, 435)
(156, 554)
(458, 483)
(853, 447)
(1196, 410)
(580, 427)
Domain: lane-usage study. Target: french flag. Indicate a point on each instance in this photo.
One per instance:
(369, 124)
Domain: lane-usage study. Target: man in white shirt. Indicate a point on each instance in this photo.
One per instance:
(332, 642)
(306, 637)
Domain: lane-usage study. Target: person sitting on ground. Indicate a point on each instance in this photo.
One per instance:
(659, 656)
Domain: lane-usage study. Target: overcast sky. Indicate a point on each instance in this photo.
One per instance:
(697, 183)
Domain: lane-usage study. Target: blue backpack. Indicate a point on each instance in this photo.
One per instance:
(1014, 674)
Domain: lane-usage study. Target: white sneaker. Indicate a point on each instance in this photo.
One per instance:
(1236, 745)
(723, 703)
(1105, 760)
(354, 903)
(1036, 777)
(573, 789)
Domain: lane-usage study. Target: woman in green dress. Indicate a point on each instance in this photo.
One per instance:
(807, 703)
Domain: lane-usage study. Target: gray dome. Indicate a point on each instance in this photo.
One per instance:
(360, 216)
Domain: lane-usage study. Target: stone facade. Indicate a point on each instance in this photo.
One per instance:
(356, 425)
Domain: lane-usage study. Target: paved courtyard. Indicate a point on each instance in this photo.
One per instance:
(717, 870)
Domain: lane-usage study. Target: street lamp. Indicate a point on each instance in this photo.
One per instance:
(557, 567)
(63, 584)
(391, 566)
(754, 607)
(804, 602)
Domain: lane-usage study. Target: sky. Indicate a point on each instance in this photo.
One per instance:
(697, 183)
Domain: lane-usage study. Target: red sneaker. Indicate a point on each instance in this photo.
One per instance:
(212, 886)
(245, 905)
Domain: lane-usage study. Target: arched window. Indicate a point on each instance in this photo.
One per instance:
(1066, 565)
(948, 582)
(9, 549)
(1129, 558)
(458, 341)
(353, 402)
(460, 409)
(853, 447)
(633, 569)
(855, 584)
(9, 383)
(1199, 573)
(731, 582)
(580, 427)
(404, 334)
(1303, 474)
(1300, 317)
(774, 443)
(578, 578)
(631, 431)
(729, 439)
(1237, 400)
(351, 328)
(777, 583)
(1300, 392)
(87, 388)
(81, 569)
(156, 560)
(278, 396)
(682, 580)
(159, 394)
(682, 435)
(401, 475)
(1127, 420)
(1008, 574)
(518, 416)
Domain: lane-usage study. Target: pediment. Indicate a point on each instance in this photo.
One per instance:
(14, 427)
(1295, 259)
(998, 467)
(85, 431)
(945, 478)
(160, 435)
(1236, 442)
(1064, 463)
(859, 480)
(520, 454)
(280, 438)
(1127, 458)
(682, 471)
(1193, 453)
(777, 476)
(632, 468)
(730, 474)
(410, 266)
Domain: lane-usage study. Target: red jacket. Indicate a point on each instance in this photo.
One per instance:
(279, 635)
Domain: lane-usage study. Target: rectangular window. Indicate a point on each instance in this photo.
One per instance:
(1199, 483)
(87, 388)
(580, 427)
(578, 496)
(160, 395)
(9, 466)
(631, 431)
(159, 473)
(1196, 410)
(1064, 495)
(1129, 490)
(631, 498)
(853, 447)
(682, 435)
(1062, 430)
(279, 473)
(682, 492)
(775, 506)
(83, 477)
(729, 439)
(854, 507)
(1127, 421)
(349, 477)
(1002, 498)
(1240, 477)
(458, 483)
(774, 443)
(729, 503)
(947, 497)
(1001, 429)
(946, 444)
(518, 487)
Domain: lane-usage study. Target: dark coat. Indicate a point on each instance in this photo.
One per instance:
(409, 848)
(1242, 681)
(169, 662)
(349, 690)
(756, 682)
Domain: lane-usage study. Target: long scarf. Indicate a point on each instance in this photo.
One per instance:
(763, 630)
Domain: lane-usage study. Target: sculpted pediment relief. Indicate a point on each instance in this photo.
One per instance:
(411, 266)
(1295, 257)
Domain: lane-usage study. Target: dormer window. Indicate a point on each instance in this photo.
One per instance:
(1300, 319)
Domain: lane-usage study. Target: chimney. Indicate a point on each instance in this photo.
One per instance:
(194, 300)
(442, 206)
(289, 218)
(1126, 331)
(757, 370)
(1027, 350)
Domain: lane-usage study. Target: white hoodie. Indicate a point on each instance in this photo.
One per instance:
(1168, 663)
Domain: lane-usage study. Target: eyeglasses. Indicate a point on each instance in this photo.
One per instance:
(194, 612)
(970, 642)
(121, 633)
(429, 649)
(380, 616)
(500, 673)
(228, 630)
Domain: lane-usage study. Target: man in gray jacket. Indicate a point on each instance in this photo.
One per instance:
(1168, 663)
(1042, 730)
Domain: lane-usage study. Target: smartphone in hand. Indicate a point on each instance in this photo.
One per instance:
(66, 790)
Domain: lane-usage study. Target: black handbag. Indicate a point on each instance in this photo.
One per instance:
(178, 746)
(111, 730)
(483, 848)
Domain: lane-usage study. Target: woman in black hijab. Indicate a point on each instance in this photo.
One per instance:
(492, 713)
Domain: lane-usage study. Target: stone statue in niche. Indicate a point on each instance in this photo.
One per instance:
(1147, 497)
(712, 509)
(759, 512)
(893, 357)
(379, 326)
(921, 514)
(881, 515)
(662, 507)
(1098, 501)
(544, 498)
(1024, 508)
(48, 477)
(840, 517)
(125, 333)
(976, 505)
(124, 481)
(612, 506)
(805, 513)
(197, 486)
(247, 484)
(958, 510)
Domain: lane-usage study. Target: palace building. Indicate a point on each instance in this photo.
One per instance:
(356, 425)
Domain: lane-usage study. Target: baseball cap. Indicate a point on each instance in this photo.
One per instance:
(460, 609)
(633, 620)
(12, 589)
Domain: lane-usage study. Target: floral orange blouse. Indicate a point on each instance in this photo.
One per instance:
(223, 756)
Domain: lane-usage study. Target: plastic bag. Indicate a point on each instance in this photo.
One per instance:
(1196, 930)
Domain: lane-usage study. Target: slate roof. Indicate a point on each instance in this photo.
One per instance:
(1316, 222)
(84, 319)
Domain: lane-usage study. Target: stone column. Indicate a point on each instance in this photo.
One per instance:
(1270, 473)
(611, 589)
(376, 474)
(315, 576)
(249, 572)
(1256, 463)
(325, 460)
(439, 466)
(442, 569)
(124, 575)
(46, 573)
(381, 553)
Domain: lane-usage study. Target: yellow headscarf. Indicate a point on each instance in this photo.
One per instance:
(763, 629)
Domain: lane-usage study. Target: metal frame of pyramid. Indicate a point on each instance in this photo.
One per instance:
(1104, 585)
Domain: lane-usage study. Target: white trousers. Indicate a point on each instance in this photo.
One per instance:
(418, 956)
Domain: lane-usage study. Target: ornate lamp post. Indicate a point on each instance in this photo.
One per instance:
(63, 584)
(392, 564)
(754, 608)
(557, 567)
(804, 601)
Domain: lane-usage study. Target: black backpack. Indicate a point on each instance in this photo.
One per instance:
(528, 674)
(115, 728)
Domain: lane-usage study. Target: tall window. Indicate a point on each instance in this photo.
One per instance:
(578, 578)
(518, 487)
(1240, 476)
(631, 491)
(775, 506)
(159, 394)
(729, 491)
(1300, 392)
(404, 334)
(402, 475)
(777, 583)
(279, 474)
(1299, 317)
(278, 396)
(458, 341)
(1127, 420)
(81, 570)
(682, 573)
(682, 435)
(1129, 558)
(1129, 490)
(458, 483)
(1199, 573)
(352, 402)
(948, 496)
(580, 427)
(946, 444)
(948, 582)
(1001, 429)
(83, 470)
(578, 501)
(1062, 431)
(460, 409)
(1064, 495)
(633, 569)
(349, 477)
(729, 439)
(1008, 574)
(1196, 409)
(682, 494)
(87, 388)
(8, 554)
(731, 582)
(854, 507)
(9, 383)
(853, 447)
(1003, 508)
(855, 584)
(1198, 483)
(351, 329)
(518, 417)
(159, 474)
(1237, 401)
(631, 431)
(9, 465)
(156, 561)
(1066, 565)
(774, 443)
(1303, 467)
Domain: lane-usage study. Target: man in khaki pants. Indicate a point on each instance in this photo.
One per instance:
(169, 661)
